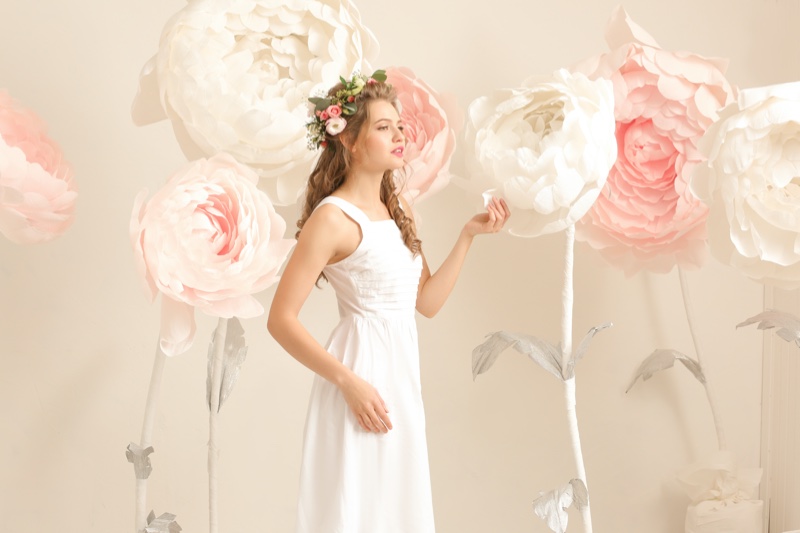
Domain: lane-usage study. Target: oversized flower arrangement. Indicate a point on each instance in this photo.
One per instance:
(329, 111)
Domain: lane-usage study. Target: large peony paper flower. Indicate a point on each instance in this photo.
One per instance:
(547, 147)
(431, 122)
(37, 191)
(646, 216)
(208, 239)
(235, 77)
(751, 184)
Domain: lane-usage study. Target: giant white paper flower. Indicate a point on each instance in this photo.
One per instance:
(235, 77)
(751, 184)
(546, 147)
(208, 239)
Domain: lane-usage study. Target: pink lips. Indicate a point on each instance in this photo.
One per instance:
(398, 151)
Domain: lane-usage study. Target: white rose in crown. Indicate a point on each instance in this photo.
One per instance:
(751, 184)
(546, 147)
(235, 77)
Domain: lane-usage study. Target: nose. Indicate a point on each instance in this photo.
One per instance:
(399, 136)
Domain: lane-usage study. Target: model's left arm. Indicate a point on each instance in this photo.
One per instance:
(435, 288)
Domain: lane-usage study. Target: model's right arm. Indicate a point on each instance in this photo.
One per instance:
(327, 236)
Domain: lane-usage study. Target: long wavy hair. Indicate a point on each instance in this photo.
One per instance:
(334, 163)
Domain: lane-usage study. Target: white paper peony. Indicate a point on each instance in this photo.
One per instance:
(751, 184)
(235, 77)
(546, 148)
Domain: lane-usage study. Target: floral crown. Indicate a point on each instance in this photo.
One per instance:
(329, 111)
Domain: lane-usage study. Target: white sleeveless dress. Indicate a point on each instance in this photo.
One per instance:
(353, 481)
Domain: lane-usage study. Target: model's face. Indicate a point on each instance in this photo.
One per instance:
(381, 142)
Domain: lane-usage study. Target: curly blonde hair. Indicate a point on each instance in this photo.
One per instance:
(334, 162)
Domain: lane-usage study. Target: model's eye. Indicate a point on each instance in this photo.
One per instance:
(383, 128)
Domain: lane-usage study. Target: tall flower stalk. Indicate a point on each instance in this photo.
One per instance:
(547, 148)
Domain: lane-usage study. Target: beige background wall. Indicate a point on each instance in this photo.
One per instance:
(77, 336)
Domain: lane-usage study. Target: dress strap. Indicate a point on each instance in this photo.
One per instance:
(349, 209)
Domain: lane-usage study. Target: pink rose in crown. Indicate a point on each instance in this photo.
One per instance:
(37, 191)
(209, 239)
(646, 217)
(431, 122)
(334, 111)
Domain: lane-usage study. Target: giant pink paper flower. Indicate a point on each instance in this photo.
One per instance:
(37, 191)
(431, 122)
(208, 239)
(751, 183)
(646, 216)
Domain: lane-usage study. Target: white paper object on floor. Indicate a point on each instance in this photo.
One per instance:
(552, 506)
(723, 496)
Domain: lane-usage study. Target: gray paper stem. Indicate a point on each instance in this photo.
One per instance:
(233, 356)
(788, 325)
(662, 360)
(140, 459)
(163, 524)
(552, 506)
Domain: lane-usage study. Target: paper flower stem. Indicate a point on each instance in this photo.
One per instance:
(147, 434)
(213, 450)
(687, 304)
(567, 301)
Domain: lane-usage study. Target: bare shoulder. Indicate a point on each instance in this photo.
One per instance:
(326, 221)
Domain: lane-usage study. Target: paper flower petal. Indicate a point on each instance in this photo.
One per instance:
(163, 524)
(663, 359)
(541, 352)
(552, 506)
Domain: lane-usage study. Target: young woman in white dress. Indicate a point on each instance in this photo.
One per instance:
(365, 462)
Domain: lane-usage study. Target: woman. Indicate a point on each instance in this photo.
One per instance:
(365, 461)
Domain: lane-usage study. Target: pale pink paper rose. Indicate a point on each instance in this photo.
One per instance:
(209, 239)
(751, 183)
(646, 217)
(432, 121)
(235, 77)
(37, 189)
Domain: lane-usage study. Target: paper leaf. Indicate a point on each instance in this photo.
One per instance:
(580, 494)
(163, 524)
(663, 359)
(541, 352)
(788, 325)
(583, 347)
(140, 459)
(233, 357)
(552, 507)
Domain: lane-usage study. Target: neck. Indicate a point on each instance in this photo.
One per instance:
(363, 188)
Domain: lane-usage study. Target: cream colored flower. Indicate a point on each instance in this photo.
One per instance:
(751, 184)
(546, 147)
(235, 77)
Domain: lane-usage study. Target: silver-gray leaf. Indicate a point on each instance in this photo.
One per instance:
(163, 524)
(140, 459)
(663, 359)
(580, 494)
(552, 507)
(541, 352)
(583, 347)
(233, 356)
(788, 325)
